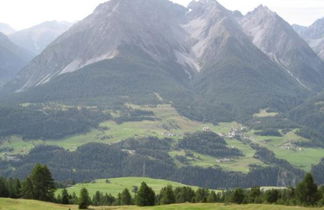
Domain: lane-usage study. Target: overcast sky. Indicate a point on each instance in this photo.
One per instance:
(25, 13)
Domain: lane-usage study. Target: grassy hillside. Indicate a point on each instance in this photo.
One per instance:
(116, 185)
(9, 204)
(169, 124)
(132, 140)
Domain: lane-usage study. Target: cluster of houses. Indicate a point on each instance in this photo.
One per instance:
(291, 146)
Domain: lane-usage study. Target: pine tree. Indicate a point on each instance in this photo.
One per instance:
(74, 199)
(201, 195)
(126, 198)
(43, 183)
(238, 196)
(65, 197)
(27, 190)
(145, 196)
(212, 198)
(321, 193)
(254, 195)
(271, 196)
(59, 198)
(97, 199)
(307, 191)
(184, 194)
(14, 188)
(109, 199)
(4, 192)
(84, 200)
(167, 195)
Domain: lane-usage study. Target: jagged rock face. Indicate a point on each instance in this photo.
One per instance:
(152, 26)
(202, 49)
(318, 47)
(12, 59)
(37, 38)
(209, 26)
(168, 33)
(232, 68)
(315, 31)
(276, 38)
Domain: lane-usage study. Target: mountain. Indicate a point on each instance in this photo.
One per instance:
(6, 29)
(314, 31)
(198, 56)
(37, 38)
(112, 50)
(276, 38)
(233, 73)
(12, 59)
(140, 82)
(314, 35)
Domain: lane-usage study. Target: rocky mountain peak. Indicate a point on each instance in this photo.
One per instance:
(264, 10)
(203, 6)
(276, 38)
(316, 30)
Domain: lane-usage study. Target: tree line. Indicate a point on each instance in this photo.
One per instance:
(40, 185)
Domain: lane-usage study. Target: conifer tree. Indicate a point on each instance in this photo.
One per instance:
(212, 198)
(43, 183)
(65, 197)
(97, 198)
(201, 195)
(4, 192)
(145, 196)
(184, 194)
(27, 189)
(84, 199)
(238, 196)
(307, 191)
(271, 196)
(125, 197)
(167, 195)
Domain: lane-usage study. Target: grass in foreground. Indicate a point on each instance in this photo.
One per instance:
(210, 207)
(10, 204)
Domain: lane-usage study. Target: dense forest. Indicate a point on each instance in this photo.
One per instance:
(50, 121)
(40, 185)
(39, 123)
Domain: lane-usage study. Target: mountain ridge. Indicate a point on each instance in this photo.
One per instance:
(12, 59)
(203, 48)
(276, 38)
(314, 35)
(36, 38)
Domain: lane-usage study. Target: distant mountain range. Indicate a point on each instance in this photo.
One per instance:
(214, 57)
(37, 38)
(19, 47)
(314, 35)
(12, 58)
